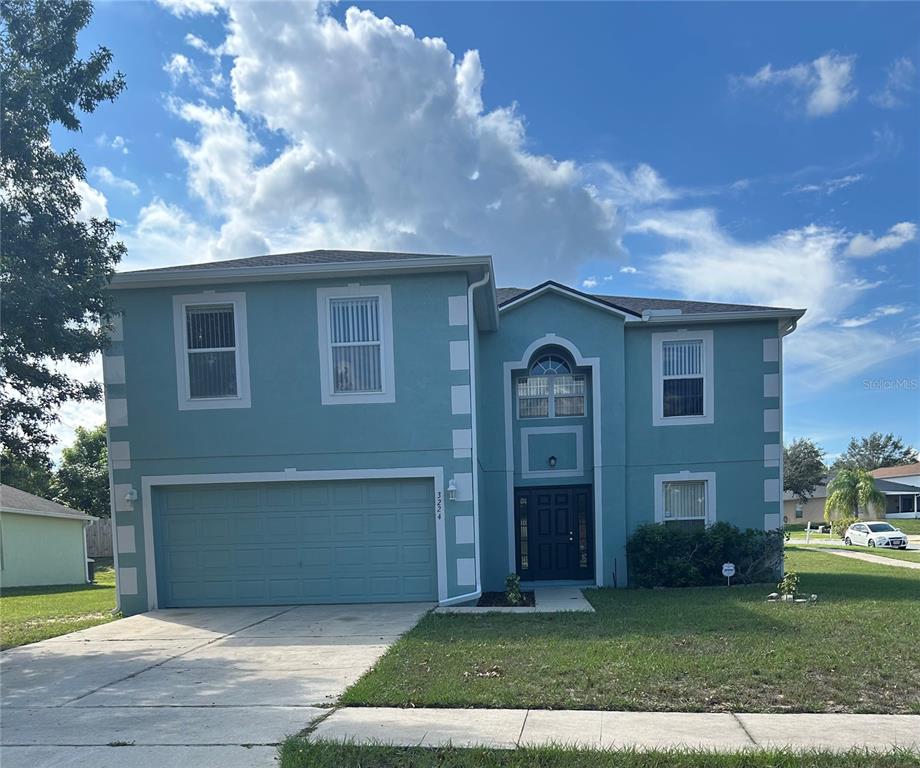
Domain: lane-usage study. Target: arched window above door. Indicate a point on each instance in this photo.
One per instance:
(550, 389)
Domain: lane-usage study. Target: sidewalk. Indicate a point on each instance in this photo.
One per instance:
(723, 732)
(867, 558)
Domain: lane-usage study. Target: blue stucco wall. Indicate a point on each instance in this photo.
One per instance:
(286, 425)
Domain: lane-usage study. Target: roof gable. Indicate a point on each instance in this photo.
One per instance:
(520, 297)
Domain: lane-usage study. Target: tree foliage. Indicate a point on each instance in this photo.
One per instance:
(850, 491)
(876, 451)
(83, 477)
(803, 467)
(55, 265)
(32, 474)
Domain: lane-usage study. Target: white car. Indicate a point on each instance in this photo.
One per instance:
(875, 534)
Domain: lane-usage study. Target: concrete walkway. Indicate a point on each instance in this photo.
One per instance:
(867, 558)
(187, 688)
(723, 732)
(546, 599)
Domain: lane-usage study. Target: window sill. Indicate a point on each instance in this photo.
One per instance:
(359, 398)
(214, 403)
(680, 421)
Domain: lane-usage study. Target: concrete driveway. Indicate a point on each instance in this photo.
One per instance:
(179, 688)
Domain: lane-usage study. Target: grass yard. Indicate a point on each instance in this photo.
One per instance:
(700, 650)
(300, 753)
(30, 614)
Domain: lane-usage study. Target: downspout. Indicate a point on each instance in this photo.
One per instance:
(474, 451)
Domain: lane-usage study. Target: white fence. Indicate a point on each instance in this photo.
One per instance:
(99, 538)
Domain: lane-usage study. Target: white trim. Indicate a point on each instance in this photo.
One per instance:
(779, 359)
(771, 490)
(186, 402)
(113, 508)
(771, 420)
(464, 532)
(116, 412)
(127, 581)
(594, 364)
(466, 571)
(125, 539)
(575, 429)
(148, 482)
(113, 369)
(462, 440)
(461, 403)
(120, 454)
(708, 477)
(42, 513)
(460, 355)
(387, 368)
(564, 290)
(771, 385)
(708, 416)
(771, 350)
(458, 312)
(116, 329)
(771, 454)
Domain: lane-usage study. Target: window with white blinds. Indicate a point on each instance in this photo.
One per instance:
(684, 500)
(356, 344)
(211, 351)
(682, 378)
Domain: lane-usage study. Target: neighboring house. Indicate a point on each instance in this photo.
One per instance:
(906, 474)
(41, 542)
(901, 500)
(338, 426)
(811, 511)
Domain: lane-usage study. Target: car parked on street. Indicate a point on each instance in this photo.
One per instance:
(875, 534)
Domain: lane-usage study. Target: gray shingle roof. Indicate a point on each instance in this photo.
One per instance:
(299, 257)
(13, 499)
(888, 486)
(638, 304)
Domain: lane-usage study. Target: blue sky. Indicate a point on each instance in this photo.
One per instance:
(763, 153)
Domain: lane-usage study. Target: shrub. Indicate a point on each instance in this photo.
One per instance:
(513, 589)
(789, 584)
(671, 556)
(839, 527)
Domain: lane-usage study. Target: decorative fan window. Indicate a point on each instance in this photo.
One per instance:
(551, 390)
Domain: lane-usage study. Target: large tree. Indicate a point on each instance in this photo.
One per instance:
(803, 467)
(876, 451)
(32, 474)
(83, 477)
(54, 266)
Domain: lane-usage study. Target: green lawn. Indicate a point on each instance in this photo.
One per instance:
(30, 614)
(300, 753)
(708, 649)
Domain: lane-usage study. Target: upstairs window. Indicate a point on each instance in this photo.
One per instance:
(212, 367)
(356, 344)
(551, 390)
(682, 378)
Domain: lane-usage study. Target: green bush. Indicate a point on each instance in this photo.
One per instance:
(839, 527)
(671, 556)
(513, 589)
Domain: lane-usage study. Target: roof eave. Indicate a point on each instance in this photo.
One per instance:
(565, 290)
(48, 513)
(724, 317)
(180, 277)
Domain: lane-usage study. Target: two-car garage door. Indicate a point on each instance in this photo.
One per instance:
(295, 542)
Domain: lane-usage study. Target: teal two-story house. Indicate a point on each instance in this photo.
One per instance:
(336, 426)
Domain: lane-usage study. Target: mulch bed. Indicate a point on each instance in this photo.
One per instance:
(497, 600)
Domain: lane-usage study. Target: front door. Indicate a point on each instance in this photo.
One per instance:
(554, 533)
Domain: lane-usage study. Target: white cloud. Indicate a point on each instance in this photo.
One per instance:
(643, 186)
(191, 7)
(385, 145)
(628, 271)
(104, 176)
(879, 312)
(899, 82)
(830, 186)
(164, 234)
(825, 83)
(93, 204)
(589, 282)
(868, 245)
(119, 143)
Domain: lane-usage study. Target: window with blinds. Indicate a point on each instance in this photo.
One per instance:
(551, 390)
(684, 502)
(682, 378)
(211, 351)
(356, 344)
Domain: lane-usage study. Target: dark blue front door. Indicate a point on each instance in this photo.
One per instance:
(554, 532)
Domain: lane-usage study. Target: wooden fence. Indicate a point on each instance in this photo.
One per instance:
(99, 538)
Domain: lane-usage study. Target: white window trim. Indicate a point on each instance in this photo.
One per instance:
(658, 417)
(327, 392)
(708, 477)
(242, 398)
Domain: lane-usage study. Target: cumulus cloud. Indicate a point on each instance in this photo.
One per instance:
(105, 177)
(628, 271)
(93, 204)
(867, 245)
(386, 144)
(899, 83)
(164, 234)
(825, 84)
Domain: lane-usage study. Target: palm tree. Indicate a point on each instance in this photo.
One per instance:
(849, 490)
